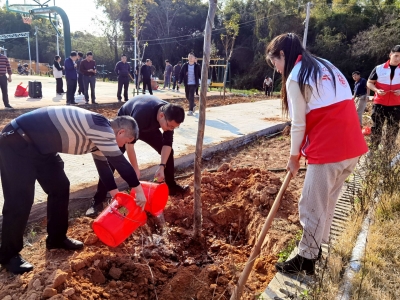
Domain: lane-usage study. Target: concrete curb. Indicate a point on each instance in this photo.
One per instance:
(80, 199)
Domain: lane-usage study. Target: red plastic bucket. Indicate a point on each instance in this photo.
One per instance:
(156, 195)
(119, 220)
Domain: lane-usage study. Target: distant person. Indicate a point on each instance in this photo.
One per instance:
(30, 153)
(151, 115)
(122, 69)
(190, 76)
(71, 77)
(175, 76)
(88, 69)
(58, 74)
(360, 95)
(81, 86)
(267, 85)
(384, 81)
(167, 75)
(145, 73)
(5, 68)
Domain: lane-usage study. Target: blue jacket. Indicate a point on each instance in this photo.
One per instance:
(70, 71)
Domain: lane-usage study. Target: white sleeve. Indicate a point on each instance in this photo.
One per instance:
(299, 107)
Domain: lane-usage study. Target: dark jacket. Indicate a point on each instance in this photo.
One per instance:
(122, 69)
(184, 74)
(70, 71)
(177, 71)
(57, 66)
(145, 72)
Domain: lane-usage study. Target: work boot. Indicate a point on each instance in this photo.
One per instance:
(67, 244)
(18, 265)
(297, 265)
(94, 210)
(177, 189)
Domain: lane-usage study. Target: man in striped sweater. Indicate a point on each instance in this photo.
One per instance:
(29, 148)
(4, 69)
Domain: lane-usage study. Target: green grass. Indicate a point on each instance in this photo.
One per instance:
(245, 92)
(285, 253)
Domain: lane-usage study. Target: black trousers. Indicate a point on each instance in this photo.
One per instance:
(380, 114)
(190, 89)
(71, 89)
(4, 89)
(123, 82)
(20, 166)
(147, 81)
(175, 83)
(153, 139)
(81, 89)
(59, 86)
(92, 81)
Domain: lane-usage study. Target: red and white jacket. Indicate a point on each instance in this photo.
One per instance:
(332, 127)
(389, 86)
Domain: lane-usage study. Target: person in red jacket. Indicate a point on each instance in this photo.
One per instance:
(325, 130)
(385, 82)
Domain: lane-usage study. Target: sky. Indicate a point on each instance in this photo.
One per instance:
(80, 12)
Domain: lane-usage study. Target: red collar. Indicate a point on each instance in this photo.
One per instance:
(387, 64)
(298, 59)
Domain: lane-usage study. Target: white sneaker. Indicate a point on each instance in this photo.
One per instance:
(190, 113)
(194, 108)
(173, 90)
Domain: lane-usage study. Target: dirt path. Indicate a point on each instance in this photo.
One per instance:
(167, 264)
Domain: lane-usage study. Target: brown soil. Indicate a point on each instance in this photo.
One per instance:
(110, 110)
(165, 262)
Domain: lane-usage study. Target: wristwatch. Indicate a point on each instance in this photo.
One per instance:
(164, 165)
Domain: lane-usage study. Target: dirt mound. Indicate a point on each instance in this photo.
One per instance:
(166, 263)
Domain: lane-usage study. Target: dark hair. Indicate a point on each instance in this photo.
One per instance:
(80, 54)
(167, 60)
(123, 55)
(191, 53)
(147, 60)
(355, 73)
(73, 53)
(89, 53)
(57, 57)
(395, 49)
(173, 112)
(291, 46)
(179, 62)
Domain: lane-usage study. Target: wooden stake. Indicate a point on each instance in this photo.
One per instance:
(237, 292)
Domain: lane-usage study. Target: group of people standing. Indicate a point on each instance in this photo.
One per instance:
(78, 72)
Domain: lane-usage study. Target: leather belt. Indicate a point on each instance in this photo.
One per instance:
(19, 130)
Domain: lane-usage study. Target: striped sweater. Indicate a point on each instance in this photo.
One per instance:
(74, 130)
(4, 65)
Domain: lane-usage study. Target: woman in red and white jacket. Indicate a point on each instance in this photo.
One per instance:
(385, 82)
(325, 130)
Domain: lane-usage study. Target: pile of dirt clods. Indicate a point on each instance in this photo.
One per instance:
(164, 262)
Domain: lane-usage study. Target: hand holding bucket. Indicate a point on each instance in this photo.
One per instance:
(139, 196)
(156, 195)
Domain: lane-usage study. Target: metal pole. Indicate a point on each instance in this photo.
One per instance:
(306, 24)
(135, 55)
(30, 59)
(56, 22)
(37, 51)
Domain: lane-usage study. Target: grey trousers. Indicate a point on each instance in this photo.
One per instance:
(321, 191)
(92, 81)
(361, 103)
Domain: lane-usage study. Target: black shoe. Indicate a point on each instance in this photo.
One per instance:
(297, 265)
(9, 107)
(94, 102)
(59, 94)
(86, 102)
(67, 244)
(18, 265)
(178, 189)
(74, 103)
(94, 210)
(126, 100)
(119, 100)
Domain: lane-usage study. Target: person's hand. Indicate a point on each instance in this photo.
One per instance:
(114, 192)
(9, 79)
(293, 165)
(159, 175)
(396, 92)
(140, 198)
(63, 67)
(380, 92)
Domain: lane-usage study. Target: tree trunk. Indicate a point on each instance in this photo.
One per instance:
(227, 65)
(198, 218)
